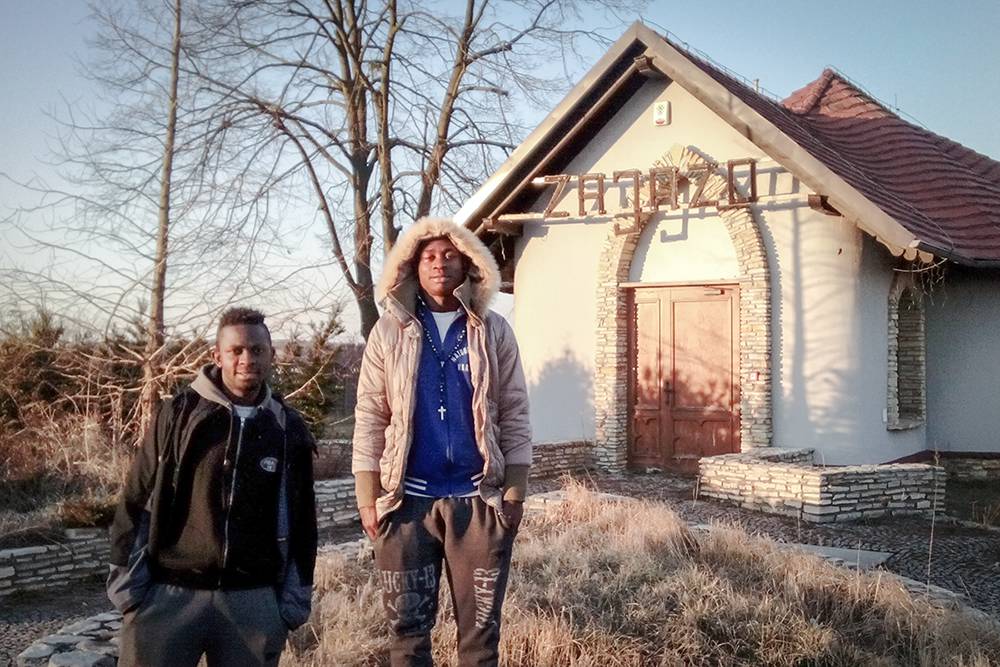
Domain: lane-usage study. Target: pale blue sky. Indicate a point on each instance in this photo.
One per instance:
(938, 62)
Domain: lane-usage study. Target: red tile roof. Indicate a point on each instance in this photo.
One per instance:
(945, 194)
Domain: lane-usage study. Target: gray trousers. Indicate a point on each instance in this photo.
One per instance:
(465, 535)
(174, 626)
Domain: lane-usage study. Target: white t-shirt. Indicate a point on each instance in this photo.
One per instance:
(244, 411)
(444, 321)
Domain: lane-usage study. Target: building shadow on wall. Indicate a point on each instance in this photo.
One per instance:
(820, 403)
(564, 389)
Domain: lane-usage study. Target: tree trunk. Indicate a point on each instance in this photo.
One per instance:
(369, 312)
(155, 331)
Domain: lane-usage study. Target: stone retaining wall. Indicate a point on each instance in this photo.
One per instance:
(85, 551)
(334, 458)
(550, 459)
(335, 504)
(783, 483)
(971, 469)
(84, 554)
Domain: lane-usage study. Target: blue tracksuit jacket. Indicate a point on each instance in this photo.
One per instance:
(443, 460)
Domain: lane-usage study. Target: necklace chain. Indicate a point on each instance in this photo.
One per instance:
(438, 354)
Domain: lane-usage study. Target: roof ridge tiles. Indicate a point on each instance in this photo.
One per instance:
(805, 98)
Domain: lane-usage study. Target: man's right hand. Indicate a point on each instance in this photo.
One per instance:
(369, 521)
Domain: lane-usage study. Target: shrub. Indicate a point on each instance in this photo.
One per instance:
(67, 468)
(87, 510)
(312, 375)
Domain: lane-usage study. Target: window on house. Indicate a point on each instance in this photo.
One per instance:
(907, 349)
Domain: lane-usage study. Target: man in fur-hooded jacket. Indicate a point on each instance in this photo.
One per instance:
(442, 444)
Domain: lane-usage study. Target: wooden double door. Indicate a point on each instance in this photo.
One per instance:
(684, 399)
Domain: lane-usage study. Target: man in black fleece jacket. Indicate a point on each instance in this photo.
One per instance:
(214, 541)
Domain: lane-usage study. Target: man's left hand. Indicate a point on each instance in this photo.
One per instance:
(513, 512)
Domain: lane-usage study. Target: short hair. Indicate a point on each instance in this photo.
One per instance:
(241, 315)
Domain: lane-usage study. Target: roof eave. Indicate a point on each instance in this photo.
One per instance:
(471, 213)
(778, 145)
(852, 204)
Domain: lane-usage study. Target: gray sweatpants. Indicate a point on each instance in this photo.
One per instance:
(464, 533)
(174, 626)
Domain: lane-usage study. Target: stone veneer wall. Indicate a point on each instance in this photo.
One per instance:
(906, 394)
(611, 377)
(792, 487)
(551, 459)
(83, 555)
(971, 469)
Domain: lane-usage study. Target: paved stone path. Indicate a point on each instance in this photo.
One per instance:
(28, 616)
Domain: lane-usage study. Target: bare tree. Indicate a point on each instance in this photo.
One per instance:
(156, 331)
(152, 180)
(390, 110)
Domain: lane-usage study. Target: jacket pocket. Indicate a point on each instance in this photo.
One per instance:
(128, 585)
(126, 590)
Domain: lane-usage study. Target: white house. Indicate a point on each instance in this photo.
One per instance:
(699, 269)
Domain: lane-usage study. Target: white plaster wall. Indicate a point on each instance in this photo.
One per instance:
(963, 362)
(830, 289)
(683, 246)
(829, 363)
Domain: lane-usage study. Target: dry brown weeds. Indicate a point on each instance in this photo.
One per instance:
(615, 584)
(60, 472)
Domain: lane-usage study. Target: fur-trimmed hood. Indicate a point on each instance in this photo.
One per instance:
(399, 282)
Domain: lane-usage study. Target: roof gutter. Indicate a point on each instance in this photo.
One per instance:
(958, 259)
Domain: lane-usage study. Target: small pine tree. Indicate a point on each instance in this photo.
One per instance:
(305, 373)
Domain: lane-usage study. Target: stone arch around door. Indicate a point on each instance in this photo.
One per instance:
(611, 374)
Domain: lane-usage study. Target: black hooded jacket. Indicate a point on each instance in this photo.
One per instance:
(203, 506)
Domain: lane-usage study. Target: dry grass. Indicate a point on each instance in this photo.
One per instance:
(975, 501)
(61, 472)
(615, 584)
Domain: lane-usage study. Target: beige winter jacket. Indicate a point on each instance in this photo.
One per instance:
(383, 427)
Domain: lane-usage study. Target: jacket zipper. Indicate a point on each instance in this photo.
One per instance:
(448, 451)
(232, 495)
